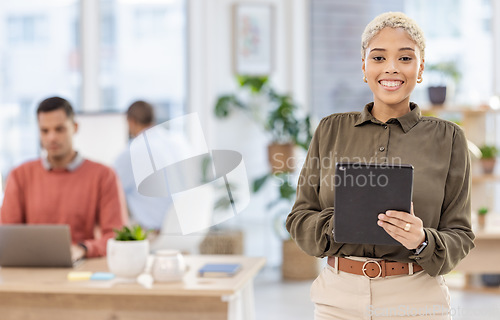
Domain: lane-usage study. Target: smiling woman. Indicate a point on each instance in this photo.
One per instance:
(363, 281)
(391, 65)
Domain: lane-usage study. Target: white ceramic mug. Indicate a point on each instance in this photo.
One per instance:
(168, 265)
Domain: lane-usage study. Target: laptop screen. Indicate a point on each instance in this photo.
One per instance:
(36, 245)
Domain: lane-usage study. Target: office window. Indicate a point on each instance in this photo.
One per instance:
(150, 23)
(439, 20)
(38, 58)
(147, 58)
(336, 27)
(26, 29)
(459, 31)
(140, 53)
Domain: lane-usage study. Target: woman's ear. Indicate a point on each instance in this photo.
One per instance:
(363, 65)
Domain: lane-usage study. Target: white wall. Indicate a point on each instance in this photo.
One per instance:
(210, 67)
(101, 137)
(496, 48)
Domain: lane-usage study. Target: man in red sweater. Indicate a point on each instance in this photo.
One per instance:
(63, 188)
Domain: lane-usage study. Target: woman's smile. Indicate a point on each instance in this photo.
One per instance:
(391, 85)
(391, 66)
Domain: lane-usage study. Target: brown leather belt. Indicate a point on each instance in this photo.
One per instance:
(373, 269)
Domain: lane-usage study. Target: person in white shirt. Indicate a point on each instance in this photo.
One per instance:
(149, 212)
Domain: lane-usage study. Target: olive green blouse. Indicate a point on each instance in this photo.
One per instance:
(438, 151)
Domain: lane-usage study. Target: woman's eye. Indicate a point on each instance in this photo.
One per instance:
(378, 58)
(406, 58)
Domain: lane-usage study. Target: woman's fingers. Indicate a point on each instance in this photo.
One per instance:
(394, 231)
(405, 228)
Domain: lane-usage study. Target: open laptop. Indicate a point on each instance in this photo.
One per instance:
(23, 245)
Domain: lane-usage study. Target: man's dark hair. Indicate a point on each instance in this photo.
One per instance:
(56, 103)
(142, 112)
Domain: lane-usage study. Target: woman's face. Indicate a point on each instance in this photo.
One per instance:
(391, 66)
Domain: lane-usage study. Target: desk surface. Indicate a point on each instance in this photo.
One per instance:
(46, 294)
(54, 280)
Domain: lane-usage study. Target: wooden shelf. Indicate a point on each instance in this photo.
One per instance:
(467, 286)
(461, 281)
(487, 235)
(491, 231)
(485, 178)
(458, 109)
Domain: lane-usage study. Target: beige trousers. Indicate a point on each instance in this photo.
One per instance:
(347, 296)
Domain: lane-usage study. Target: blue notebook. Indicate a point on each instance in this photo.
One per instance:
(219, 270)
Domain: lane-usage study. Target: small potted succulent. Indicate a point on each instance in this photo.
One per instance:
(447, 73)
(481, 217)
(488, 158)
(128, 252)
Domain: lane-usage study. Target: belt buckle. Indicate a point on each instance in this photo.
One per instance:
(379, 268)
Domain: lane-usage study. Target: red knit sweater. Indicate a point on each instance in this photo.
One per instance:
(87, 197)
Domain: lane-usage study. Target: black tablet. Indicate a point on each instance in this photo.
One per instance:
(362, 192)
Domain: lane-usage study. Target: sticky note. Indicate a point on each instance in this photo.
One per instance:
(102, 276)
(79, 275)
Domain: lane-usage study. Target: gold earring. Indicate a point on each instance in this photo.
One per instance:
(419, 79)
(364, 79)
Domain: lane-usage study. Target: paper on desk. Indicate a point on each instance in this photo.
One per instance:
(79, 275)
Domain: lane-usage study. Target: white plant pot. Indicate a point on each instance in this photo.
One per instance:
(127, 259)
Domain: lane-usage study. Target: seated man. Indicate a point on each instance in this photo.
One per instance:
(63, 188)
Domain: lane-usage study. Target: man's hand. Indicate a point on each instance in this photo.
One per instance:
(405, 228)
(77, 252)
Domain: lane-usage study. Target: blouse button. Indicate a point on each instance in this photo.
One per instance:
(381, 148)
(385, 127)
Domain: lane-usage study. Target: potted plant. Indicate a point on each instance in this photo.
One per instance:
(283, 121)
(276, 113)
(287, 130)
(488, 158)
(128, 252)
(481, 217)
(446, 72)
(279, 116)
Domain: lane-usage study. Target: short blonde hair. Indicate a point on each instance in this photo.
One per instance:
(393, 20)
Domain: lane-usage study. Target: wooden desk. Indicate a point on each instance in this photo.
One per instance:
(27, 293)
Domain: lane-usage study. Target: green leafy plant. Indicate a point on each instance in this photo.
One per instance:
(488, 151)
(286, 189)
(282, 120)
(135, 233)
(279, 116)
(446, 69)
(482, 211)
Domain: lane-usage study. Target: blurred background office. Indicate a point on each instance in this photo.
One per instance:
(179, 55)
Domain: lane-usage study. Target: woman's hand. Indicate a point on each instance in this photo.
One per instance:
(405, 228)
